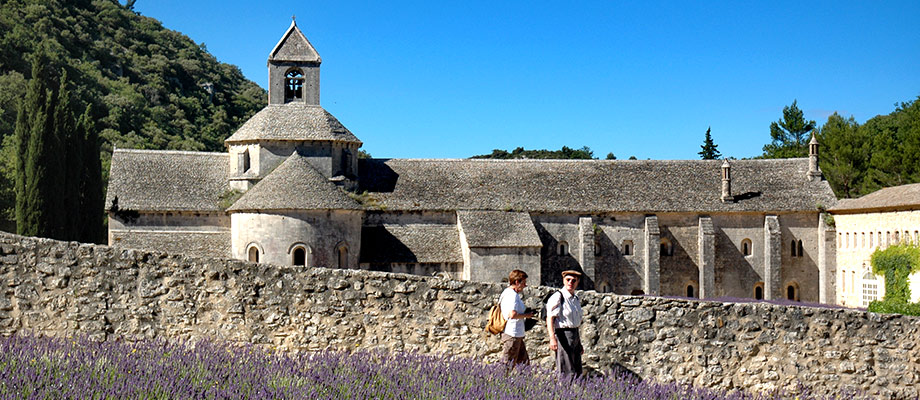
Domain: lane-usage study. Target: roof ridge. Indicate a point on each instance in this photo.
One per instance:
(187, 152)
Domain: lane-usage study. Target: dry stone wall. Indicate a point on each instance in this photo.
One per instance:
(60, 288)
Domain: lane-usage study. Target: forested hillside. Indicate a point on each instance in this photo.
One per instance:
(149, 87)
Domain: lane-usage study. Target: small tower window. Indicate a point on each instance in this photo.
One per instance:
(746, 248)
(253, 254)
(758, 291)
(293, 85)
(242, 161)
(627, 247)
(793, 247)
(801, 249)
(563, 248)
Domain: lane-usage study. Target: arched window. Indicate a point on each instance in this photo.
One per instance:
(801, 251)
(871, 241)
(604, 287)
(342, 252)
(746, 247)
(691, 290)
(563, 248)
(293, 85)
(792, 291)
(253, 253)
(627, 247)
(666, 248)
(758, 291)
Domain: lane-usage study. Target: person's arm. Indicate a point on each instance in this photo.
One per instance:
(553, 344)
(517, 315)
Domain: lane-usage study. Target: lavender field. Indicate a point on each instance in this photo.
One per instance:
(50, 368)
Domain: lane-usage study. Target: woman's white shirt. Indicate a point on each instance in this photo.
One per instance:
(511, 300)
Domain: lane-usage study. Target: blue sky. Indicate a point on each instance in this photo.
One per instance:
(433, 79)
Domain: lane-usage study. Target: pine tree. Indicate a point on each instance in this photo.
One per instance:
(790, 135)
(710, 150)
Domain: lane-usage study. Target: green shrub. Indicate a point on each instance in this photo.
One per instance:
(896, 263)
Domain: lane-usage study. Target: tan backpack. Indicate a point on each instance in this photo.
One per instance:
(496, 322)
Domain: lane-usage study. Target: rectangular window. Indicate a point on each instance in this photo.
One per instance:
(870, 293)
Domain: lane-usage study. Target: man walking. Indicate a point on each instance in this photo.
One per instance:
(563, 318)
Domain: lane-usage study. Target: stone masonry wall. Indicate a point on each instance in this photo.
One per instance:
(61, 288)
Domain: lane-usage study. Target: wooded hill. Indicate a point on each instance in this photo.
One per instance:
(149, 87)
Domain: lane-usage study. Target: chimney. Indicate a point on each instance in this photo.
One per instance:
(726, 182)
(814, 172)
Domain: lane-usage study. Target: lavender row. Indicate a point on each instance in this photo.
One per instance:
(53, 368)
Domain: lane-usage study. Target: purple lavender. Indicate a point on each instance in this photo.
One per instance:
(53, 368)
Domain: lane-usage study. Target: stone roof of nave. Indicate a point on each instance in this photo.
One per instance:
(498, 229)
(293, 121)
(156, 180)
(294, 185)
(904, 197)
(411, 243)
(778, 185)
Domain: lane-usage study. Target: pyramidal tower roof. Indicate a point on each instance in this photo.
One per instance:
(294, 46)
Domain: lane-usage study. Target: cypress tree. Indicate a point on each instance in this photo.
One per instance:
(49, 166)
(92, 201)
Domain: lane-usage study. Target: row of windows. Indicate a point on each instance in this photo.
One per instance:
(860, 240)
(300, 254)
(792, 290)
(666, 249)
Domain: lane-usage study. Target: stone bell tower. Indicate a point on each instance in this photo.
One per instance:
(293, 70)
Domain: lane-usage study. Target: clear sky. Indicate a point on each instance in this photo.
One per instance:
(432, 79)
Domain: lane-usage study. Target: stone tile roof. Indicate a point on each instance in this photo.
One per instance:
(293, 121)
(904, 197)
(294, 185)
(151, 180)
(498, 229)
(592, 185)
(410, 243)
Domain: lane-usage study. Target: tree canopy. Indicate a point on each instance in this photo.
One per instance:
(583, 153)
(789, 135)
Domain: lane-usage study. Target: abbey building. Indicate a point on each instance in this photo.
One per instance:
(291, 190)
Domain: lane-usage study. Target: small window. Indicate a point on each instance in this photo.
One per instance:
(862, 239)
(293, 85)
(243, 162)
(343, 256)
(604, 287)
(793, 248)
(758, 291)
(253, 254)
(792, 291)
(627, 247)
(691, 291)
(666, 249)
(746, 247)
(563, 248)
(871, 240)
(637, 292)
(299, 256)
(843, 281)
(801, 250)
(897, 236)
